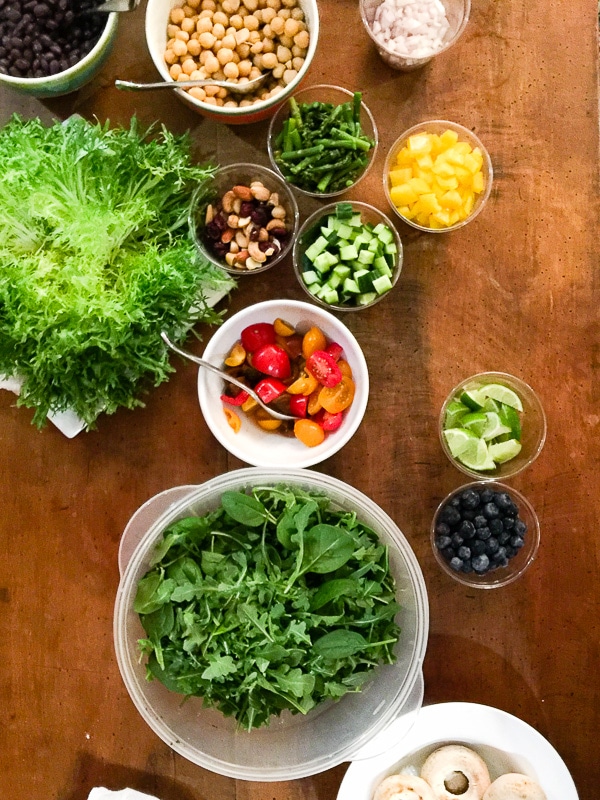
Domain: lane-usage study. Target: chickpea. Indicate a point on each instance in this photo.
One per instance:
(179, 48)
(256, 48)
(188, 25)
(188, 66)
(231, 70)
(251, 23)
(220, 18)
(194, 47)
(198, 75)
(268, 46)
(230, 104)
(242, 36)
(289, 3)
(268, 33)
(175, 71)
(236, 21)
(189, 11)
(283, 54)
(254, 73)
(177, 16)
(297, 63)
(269, 60)
(229, 41)
(222, 93)
(254, 37)
(198, 93)
(291, 27)
(298, 14)
(244, 67)
(225, 56)
(284, 13)
(172, 30)
(275, 4)
(208, 13)
(278, 71)
(251, 5)
(211, 65)
(211, 101)
(277, 25)
(204, 25)
(286, 41)
(268, 14)
(183, 77)
(207, 40)
(169, 56)
(208, 5)
(217, 46)
(218, 30)
(243, 50)
(230, 6)
(302, 39)
(289, 75)
(182, 36)
(193, 4)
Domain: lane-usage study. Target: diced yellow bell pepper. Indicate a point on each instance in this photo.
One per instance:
(406, 211)
(442, 217)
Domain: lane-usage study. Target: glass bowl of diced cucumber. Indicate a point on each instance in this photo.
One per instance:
(437, 176)
(348, 256)
(323, 140)
(492, 426)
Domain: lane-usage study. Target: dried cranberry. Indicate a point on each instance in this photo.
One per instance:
(260, 216)
(246, 208)
(212, 230)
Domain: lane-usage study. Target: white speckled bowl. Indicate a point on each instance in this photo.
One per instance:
(73, 78)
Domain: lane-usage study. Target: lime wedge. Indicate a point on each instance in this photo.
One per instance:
(504, 451)
(494, 426)
(502, 394)
(510, 417)
(458, 440)
(473, 399)
(475, 422)
(476, 456)
(492, 405)
(454, 412)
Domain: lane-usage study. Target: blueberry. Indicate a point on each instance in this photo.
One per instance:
(469, 499)
(516, 542)
(457, 540)
(520, 527)
(455, 502)
(468, 514)
(478, 547)
(510, 551)
(504, 502)
(442, 542)
(480, 521)
(450, 515)
(456, 564)
(491, 546)
(508, 523)
(442, 529)
(504, 537)
(448, 553)
(499, 555)
(491, 511)
(467, 529)
(486, 495)
(484, 533)
(467, 567)
(464, 552)
(480, 563)
(496, 526)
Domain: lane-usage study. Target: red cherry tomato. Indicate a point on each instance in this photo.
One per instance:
(257, 335)
(324, 368)
(238, 400)
(329, 421)
(269, 389)
(335, 350)
(272, 360)
(298, 405)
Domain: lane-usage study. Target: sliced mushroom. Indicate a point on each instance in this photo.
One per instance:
(514, 786)
(456, 772)
(403, 787)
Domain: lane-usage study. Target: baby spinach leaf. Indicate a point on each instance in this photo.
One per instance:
(334, 589)
(153, 591)
(326, 548)
(243, 508)
(339, 644)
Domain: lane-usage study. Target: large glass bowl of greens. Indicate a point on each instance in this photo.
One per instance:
(285, 623)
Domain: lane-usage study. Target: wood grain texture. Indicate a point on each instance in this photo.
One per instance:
(516, 291)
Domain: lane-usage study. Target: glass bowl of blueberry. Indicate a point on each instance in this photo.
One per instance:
(485, 534)
(243, 218)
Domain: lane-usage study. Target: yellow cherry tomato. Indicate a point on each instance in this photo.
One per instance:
(308, 432)
(314, 339)
(339, 397)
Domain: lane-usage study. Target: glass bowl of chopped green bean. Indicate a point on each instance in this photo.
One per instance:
(347, 256)
(270, 624)
(323, 140)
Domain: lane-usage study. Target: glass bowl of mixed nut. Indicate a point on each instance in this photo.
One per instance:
(233, 40)
(243, 218)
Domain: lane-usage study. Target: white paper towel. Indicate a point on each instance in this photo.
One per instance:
(100, 793)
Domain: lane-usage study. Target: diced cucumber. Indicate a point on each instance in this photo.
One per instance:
(348, 252)
(324, 261)
(382, 284)
(366, 298)
(316, 248)
(343, 270)
(364, 280)
(366, 256)
(383, 233)
(309, 276)
(350, 286)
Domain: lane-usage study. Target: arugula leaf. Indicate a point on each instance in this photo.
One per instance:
(232, 609)
(96, 260)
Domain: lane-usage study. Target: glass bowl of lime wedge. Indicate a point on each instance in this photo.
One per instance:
(492, 425)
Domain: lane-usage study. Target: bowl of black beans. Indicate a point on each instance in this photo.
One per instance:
(52, 47)
(485, 534)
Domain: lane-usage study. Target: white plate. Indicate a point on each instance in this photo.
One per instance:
(506, 743)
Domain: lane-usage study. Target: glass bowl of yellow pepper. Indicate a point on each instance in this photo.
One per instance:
(438, 176)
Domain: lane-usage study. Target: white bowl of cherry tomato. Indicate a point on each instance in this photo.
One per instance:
(301, 361)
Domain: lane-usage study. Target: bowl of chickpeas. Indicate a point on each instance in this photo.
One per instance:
(233, 40)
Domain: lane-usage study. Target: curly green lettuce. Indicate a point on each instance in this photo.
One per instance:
(95, 260)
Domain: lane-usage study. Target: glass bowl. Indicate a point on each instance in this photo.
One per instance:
(156, 22)
(444, 182)
(397, 57)
(385, 273)
(292, 746)
(521, 546)
(531, 421)
(211, 194)
(323, 93)
(263, 448)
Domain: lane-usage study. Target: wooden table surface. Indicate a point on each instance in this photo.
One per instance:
(517, 291)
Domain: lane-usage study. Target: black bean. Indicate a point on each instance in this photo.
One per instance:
(41, 10)
(22, 64)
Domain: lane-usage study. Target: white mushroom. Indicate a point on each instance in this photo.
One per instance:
(403, 787)
(455, 771)
(514, 786)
